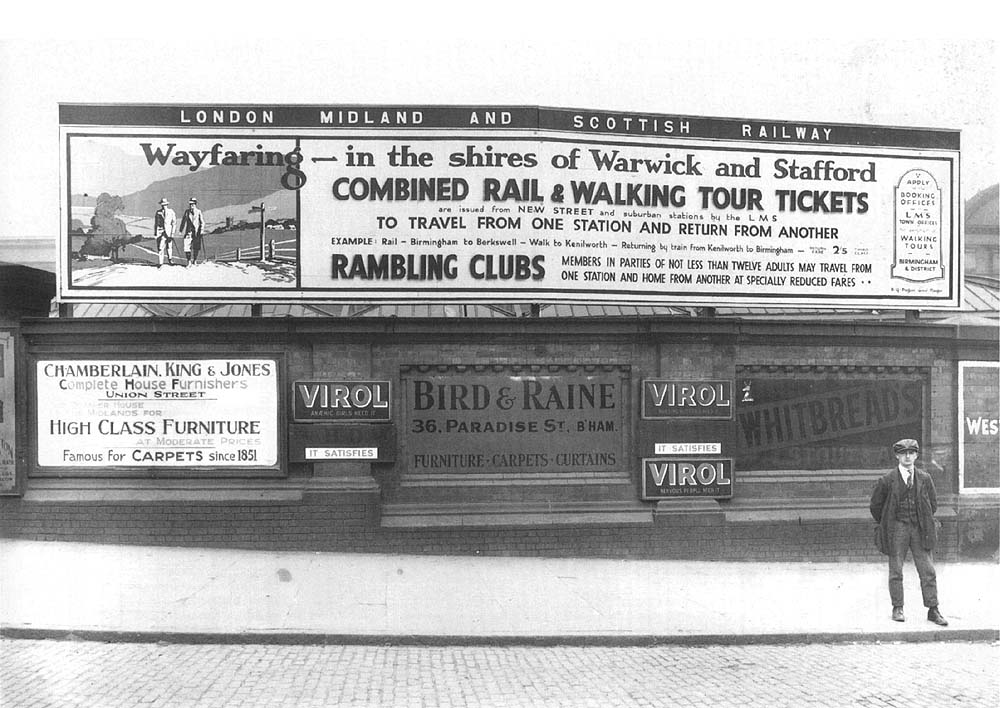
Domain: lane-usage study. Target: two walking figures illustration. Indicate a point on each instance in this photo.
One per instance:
(192, 229)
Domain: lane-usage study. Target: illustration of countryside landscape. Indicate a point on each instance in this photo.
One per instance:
(250, 228)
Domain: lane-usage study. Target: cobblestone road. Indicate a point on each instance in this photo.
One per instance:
(96, 675)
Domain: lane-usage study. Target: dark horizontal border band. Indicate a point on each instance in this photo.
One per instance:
(584, 121)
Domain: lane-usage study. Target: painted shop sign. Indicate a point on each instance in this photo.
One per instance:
(344, 401)
(672, 477)
(512, 421)
(491, 204)
(979, 440)
(664, 400)
(157, 413)
(839, 422)
(8, 441)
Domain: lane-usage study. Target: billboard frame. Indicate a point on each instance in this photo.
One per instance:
(516, 124)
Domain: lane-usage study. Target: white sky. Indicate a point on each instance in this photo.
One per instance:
(754, 69)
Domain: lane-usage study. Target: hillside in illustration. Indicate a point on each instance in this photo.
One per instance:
(101, 166)
(217, 189)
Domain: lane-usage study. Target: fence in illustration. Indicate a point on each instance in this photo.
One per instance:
(284, 251)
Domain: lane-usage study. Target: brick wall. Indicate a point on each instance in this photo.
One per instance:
(350, 524)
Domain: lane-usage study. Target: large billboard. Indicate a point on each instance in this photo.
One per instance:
(503, 204)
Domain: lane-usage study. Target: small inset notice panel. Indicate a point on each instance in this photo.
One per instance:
(918, 228)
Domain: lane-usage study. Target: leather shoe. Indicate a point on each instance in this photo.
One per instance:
(897, 614)
(934, 616)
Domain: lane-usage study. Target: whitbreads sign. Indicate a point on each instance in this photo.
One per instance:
(503, 203)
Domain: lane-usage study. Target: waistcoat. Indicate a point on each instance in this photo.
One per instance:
(906, 510)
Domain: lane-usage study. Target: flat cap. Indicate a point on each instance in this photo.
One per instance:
(906, 445)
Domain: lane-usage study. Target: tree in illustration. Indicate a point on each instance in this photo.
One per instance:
(108, 234)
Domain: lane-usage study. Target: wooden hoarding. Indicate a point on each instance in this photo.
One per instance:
(494, 204)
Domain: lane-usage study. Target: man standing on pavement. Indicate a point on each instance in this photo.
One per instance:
(163, 229)
(192, 226)
(903, 503)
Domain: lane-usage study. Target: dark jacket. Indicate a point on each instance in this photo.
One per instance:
(885, 499)
(193, 221)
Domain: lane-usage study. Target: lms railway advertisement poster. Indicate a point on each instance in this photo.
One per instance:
(494, 204)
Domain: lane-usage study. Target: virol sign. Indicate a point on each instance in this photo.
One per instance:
(687, 477)
(667, 399)
(341, 401)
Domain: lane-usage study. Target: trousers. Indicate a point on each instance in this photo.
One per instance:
(164, 247)
(906, 538)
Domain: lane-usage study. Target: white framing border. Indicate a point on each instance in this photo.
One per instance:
(962, 366)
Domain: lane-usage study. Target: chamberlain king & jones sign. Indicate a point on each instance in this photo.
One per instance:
(158, 413)
(488, 204)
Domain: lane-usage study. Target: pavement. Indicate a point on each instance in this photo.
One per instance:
(203, 595)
